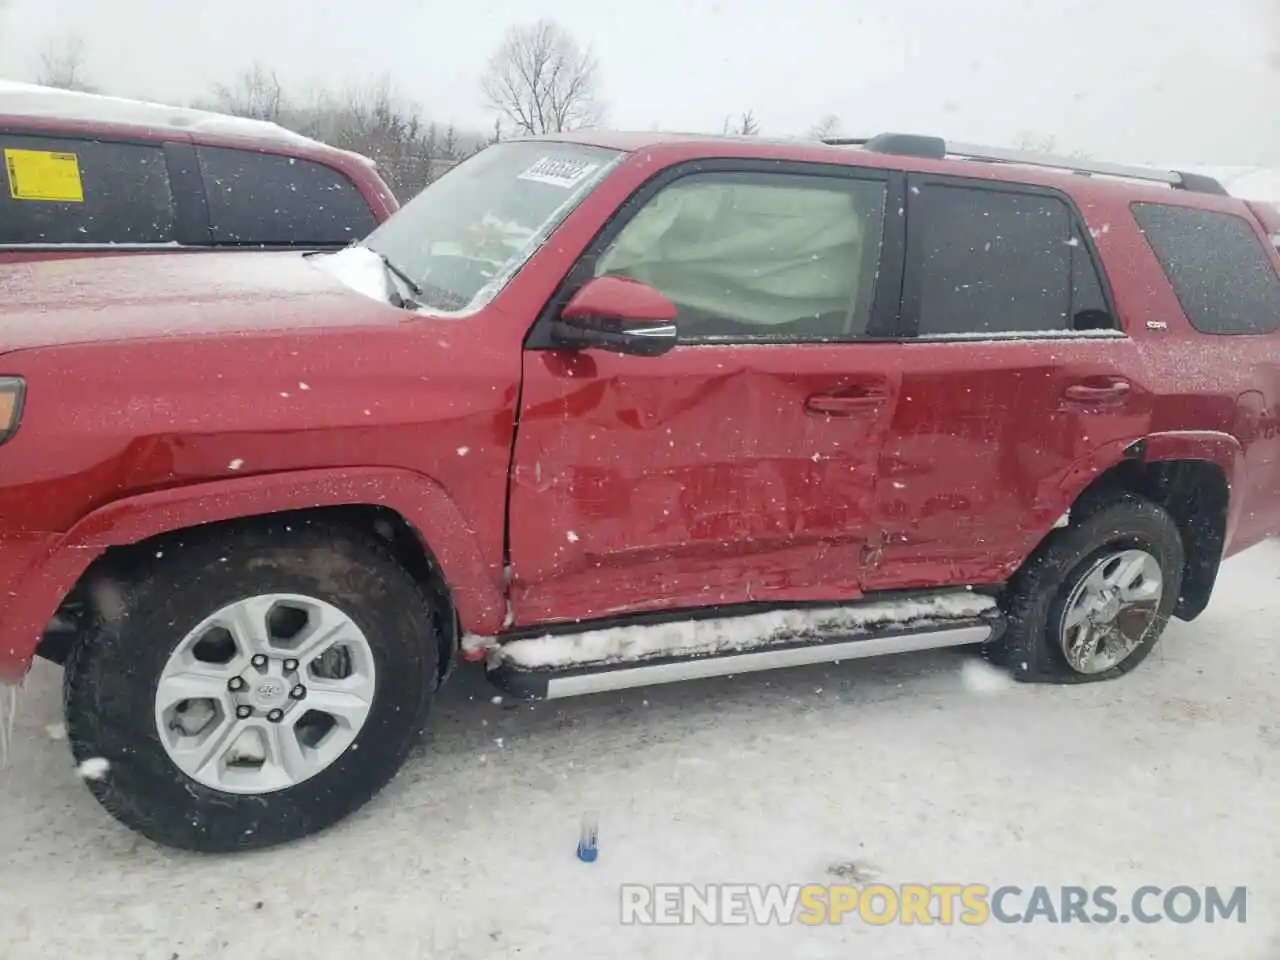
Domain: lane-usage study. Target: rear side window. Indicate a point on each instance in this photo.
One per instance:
(993, 262)
(61, 191)
(1217, 266)
(265, 199)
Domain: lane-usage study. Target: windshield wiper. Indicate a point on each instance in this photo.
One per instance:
(404, 278)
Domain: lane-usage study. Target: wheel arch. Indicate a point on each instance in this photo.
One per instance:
(1191, 475)
(411, 513)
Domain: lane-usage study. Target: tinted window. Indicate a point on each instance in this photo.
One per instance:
(55, 191)
(260, 198)
(1217, 266)
(986, 261)
(758, 256)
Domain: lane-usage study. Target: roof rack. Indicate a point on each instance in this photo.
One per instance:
(936, 148)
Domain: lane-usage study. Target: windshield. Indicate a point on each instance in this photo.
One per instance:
(463, 237)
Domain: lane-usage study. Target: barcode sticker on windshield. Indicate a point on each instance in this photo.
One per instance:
(559, 171)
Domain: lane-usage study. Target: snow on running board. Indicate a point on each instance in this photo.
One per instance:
(684, 638)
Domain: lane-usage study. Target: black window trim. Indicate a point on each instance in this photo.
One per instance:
(885, 313)
(910, 291)
(1265, 241)
(162, 144)
(191, 223)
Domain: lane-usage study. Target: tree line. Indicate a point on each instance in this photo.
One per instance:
(538, 80)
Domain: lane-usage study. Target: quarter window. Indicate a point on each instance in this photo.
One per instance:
(1222, 274)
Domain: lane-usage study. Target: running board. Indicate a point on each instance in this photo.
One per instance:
(618, 658)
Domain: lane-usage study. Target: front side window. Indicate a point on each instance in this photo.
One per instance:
(758, 256)
(467, 233)
(987, 262)
(263, 199)
(61, 191)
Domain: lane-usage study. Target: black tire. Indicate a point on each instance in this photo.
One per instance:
(111, 678)
(1035, 598)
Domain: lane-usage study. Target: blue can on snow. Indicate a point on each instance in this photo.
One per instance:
(588, 838)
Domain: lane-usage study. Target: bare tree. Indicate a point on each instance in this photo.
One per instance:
(62, 64)
(744, 126)
(256, 94)
(375, 121)
(1036, 143)
(370, 118)
(826, 128)
(541, 81)
(1047, 143)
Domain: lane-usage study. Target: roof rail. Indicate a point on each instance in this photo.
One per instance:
(935, 148)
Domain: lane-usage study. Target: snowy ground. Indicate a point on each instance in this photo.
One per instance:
(1169, 776)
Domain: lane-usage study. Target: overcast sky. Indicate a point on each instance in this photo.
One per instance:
(1136, 80)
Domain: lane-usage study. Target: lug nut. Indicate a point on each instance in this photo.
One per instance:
(275, 716)
(291, 666)
(298, 692)
(236, 684)
(259, 660)
(244, 711)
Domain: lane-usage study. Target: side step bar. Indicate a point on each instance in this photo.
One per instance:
(543, 668)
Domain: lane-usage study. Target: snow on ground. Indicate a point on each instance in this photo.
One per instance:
(916, 764)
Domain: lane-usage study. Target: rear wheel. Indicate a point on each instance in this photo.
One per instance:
(259, 686)
(1095, 598)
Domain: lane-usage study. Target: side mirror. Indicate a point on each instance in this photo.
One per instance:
(620, 315)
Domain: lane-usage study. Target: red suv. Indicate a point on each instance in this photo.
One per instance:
(85, 175)
(610, 410)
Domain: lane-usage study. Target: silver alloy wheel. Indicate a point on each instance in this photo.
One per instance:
(265, 693)
(1110, 611)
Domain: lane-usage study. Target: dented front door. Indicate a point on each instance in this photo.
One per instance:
(711, 475)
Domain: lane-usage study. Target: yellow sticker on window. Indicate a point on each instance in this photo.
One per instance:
(41, 175)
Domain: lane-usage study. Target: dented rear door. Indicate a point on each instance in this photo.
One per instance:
(1015, 375)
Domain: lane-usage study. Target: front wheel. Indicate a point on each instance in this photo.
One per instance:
(1095, 598)
(259, 686)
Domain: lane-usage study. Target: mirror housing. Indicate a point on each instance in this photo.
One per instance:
(620, 315)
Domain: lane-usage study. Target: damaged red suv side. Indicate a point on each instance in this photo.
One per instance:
(611, 410)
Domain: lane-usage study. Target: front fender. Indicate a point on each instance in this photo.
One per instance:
(55, 566)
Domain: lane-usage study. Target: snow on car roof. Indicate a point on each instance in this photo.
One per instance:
(31, 100)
